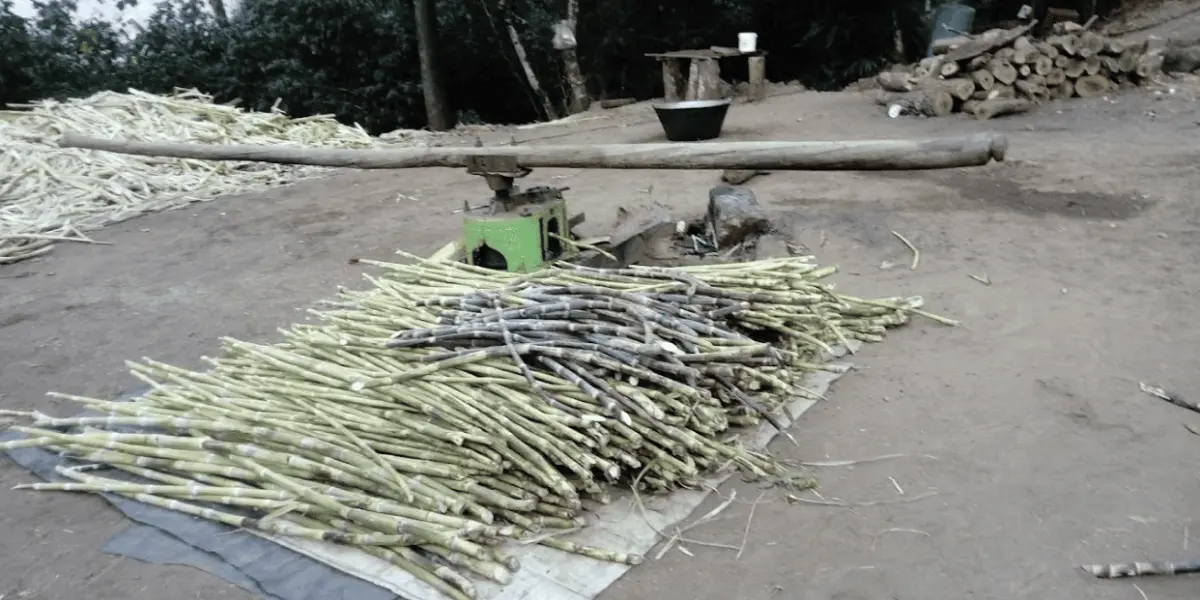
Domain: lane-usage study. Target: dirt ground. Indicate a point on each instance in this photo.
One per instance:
(1027, 421)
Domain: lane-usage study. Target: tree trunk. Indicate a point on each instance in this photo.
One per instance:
(218, 8)
(547, 106)
(576, 82)
(437, 111)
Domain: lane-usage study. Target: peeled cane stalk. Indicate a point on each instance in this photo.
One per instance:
(451, 408)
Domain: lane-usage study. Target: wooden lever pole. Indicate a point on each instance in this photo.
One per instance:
(866, 155)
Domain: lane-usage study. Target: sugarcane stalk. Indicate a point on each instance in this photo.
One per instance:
(451, 408)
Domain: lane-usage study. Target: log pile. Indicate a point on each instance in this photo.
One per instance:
(1008, 71)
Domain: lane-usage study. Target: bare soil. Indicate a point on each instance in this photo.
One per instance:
(1027, 421)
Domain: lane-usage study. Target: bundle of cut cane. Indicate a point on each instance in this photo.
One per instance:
(452, 408)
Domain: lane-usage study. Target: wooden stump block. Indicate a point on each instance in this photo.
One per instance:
(673, 82)
(704, 79)
(758, 77)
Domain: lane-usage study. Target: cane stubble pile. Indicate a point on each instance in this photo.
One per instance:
(450, 409)
(50, 194)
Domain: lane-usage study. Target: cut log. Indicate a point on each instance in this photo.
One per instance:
(1031, 90)
(1025, 70)
(1066, 27)
(1092, 86)
(1036, 79)
(1003, 72)
(927, 67)
(1075, 69)
(1181, 60)
(925, 102)
(1002, 91)
(1055, 17)
(1023, 56)
(996, 107)
(857, 155)
(1114, 46)
(1111, 64)
(987, 43)
(979, 62)
(617, 102)
(948, 69)
(1062, 61)
(983, 79)
(945, 45)
(1066, 44)
(1129, 60)
(1089, 44)
(1046, 49)
(960, 88)
(1022, 43)
(1062, 91)
(1055, 77)
(1004, 54)
(1092, 65)
(1149, 65)
(1043, 64)
(895, 81)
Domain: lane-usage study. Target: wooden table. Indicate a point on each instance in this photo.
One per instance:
(704, 73)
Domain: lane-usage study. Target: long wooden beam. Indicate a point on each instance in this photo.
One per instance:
(865, 155)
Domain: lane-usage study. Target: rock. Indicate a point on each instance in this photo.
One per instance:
(774, 245)
(739, 176)
(736, 215)
(644, 232)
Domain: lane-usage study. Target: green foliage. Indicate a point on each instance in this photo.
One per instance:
(358, 58)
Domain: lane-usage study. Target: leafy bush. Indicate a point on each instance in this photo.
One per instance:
(358, 58)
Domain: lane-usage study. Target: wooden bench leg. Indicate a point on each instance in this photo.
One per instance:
(758, 77)
(672, 80)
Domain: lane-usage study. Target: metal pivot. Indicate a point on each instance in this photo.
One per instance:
(499, 171)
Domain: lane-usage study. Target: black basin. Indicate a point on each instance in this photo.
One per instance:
(692, 120)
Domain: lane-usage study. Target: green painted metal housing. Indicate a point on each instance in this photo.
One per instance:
(519, 241)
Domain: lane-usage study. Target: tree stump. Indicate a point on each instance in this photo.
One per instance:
(673, 81)
(758, 77)
(704, 79)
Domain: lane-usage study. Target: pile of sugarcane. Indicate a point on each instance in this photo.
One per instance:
(451, 409)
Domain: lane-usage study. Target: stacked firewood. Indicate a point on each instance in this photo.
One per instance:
(1006, 71)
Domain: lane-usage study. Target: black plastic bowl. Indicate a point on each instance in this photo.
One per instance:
(692, 120)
